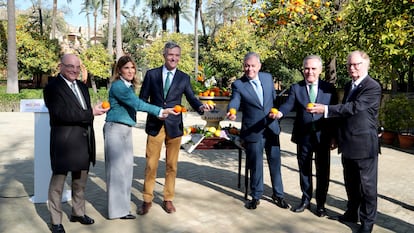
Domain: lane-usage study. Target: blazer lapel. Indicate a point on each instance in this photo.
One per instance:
(249, 89)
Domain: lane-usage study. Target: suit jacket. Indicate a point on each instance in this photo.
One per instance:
(72, 139)
(305, 122)
(255, 116)
(152, 92)
(358, 135)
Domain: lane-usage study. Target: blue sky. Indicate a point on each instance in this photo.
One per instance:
(78, 20)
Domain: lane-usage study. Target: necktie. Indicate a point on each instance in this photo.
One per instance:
(353, 88)
(167, 84)
(258, 89)
(73, 86)
(312, 93)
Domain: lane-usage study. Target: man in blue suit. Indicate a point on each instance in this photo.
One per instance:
(358, 140)
(312, 132)
(254, 95)
(164, 87)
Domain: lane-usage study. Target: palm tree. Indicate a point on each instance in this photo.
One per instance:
(12, 78)
(110, 46)
(54, 14)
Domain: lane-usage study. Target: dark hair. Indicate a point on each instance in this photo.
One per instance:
(170, 45)
(120, 63)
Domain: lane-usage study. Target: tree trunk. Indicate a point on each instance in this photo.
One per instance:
(177, 10)
(93, 83)
(197, 9)
(111, 28)
(12, 72)
(95, 18)
(203, 23)
(330, 68)
(410, 84)
(119, 51)
(54, 15)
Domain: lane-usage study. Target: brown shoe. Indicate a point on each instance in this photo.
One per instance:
(144, 208)
(168, 207)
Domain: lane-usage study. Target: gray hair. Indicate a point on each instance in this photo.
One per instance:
(363, 55)
(311, 57)
(250, 55)
(170, 45)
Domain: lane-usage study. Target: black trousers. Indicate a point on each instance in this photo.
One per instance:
(361, 178)
(305, 153)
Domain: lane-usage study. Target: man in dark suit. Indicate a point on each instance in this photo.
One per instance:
(312, 132)
(358, 140)
(164, 87)
(72, 141)
(255, 95)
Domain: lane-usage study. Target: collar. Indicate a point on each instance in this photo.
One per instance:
(165, 71)
(358, 81)
(126, 82)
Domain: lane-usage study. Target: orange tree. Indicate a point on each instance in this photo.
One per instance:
(299, 28)
(386, 30)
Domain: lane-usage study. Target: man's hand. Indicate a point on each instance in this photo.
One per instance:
(207, 107)
(316, 109)
(278, 115)
(230, 116)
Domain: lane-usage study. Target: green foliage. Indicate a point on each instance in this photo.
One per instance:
(397, 113)
(36, 54)
(230, 45)
(97, 61)
(154, 57)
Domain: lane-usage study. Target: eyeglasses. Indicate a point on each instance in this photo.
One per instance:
(355, 65)
(72, 67)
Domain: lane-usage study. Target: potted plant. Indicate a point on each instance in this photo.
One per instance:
(397, 117)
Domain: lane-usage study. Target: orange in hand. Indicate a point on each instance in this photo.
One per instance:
(178, 108)
(232, 111)
(183, 109)
(274, 110)
(105, 104)
(310, 105)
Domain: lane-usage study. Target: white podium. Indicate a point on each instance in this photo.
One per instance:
(42, 169)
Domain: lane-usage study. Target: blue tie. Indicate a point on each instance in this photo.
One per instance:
(167, 83)
(258, 89)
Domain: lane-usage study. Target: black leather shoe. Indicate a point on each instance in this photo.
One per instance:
(253, 204)
(365, 229)
(280, 201)
(347, 218)
(58, 228)
(128, 216)
(301, 207)
(85, 219)
(320, 212)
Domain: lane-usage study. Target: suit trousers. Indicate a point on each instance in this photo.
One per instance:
(305, 152)
(153, 151)
(57, 182)
(254, 155)
(361, 178)
(119, 164)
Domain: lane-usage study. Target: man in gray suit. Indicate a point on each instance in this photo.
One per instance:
(358, 140)
(255, 95)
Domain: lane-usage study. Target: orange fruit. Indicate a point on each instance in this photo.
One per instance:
(309, 105)
(183, 109)
(105, 104)
(232, 111)
(274, 110)
(178, 108)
